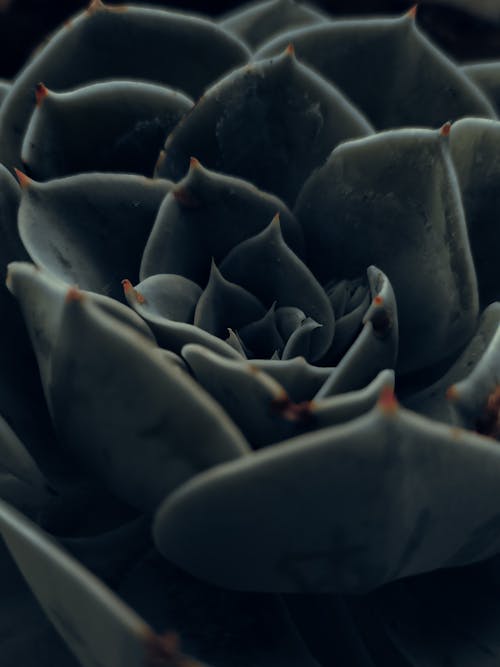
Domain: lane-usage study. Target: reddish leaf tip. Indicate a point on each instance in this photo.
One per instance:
(445, 129)
(194, 163)
(23, 180)
(41, 92)
(95, 6)
(73, 294)
(378, 300)
(290, 50)
(452, 393)
(127, 285)
(412, 12)
(387, 401)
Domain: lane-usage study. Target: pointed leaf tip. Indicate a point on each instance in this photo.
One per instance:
(194, 163)
(290, 50)
(130, 290)
(452, 393)
(95, 6)
(127, 285)
(41, 92)
(445, 129)
(74, 294)
(412, 12)
(276, 219)
(23, 180)
(387, 401)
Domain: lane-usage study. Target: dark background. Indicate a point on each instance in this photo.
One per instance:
(24, 24)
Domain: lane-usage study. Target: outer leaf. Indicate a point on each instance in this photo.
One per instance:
(259, 21)
(111, 44)
(389, 69)
(420, 495)
(436, 400)
(97, 626)
(115, 126)
(21, 482)
(474, 145)
(41, 298)
(21, 397)
(90, 229)
(486, 76)
(294, 117)
(127, 416)
(224, 628)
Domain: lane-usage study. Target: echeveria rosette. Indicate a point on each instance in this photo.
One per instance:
(245, 235)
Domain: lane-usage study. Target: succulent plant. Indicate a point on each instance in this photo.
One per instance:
(230, 246)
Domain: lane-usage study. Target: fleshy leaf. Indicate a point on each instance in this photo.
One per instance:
(435, 401)
(90, 229)
(98, 627)
(5, 87)
(21, 398)
(403, 515)
(389, 69)
(300, 379)
(267, 267)
(111, 44)
(166, 295)
(486, 76)
(117, 126)
(258, 22)
(41, 297)
(393, 201)
(21, 482)
(125, 415)
(350, 300)
(477, 396)
(205, 216)
(249, 396)
(331, 410)
(262, 338)
(257, 630)
(301, 341)
(149, 300)
(225, 305)
(474, 145)
(376, 347)
(293, 116)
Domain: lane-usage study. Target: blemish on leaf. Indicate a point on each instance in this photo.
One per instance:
(185, 197)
